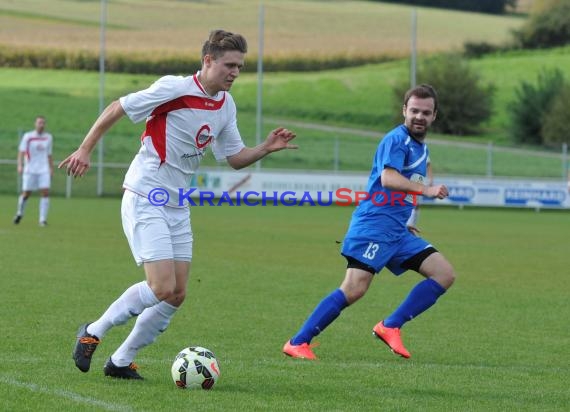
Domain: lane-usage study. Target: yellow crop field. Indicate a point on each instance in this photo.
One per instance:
(292, 27)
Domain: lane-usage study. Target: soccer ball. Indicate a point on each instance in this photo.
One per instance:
(195, 367)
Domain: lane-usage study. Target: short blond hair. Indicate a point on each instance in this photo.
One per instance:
(221, 41)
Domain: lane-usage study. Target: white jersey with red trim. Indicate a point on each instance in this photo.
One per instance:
(37, 148)
(182, 120)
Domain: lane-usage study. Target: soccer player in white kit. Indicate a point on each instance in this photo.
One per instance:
(184, 115)
(35, 154)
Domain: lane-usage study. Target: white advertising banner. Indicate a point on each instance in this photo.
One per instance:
(325, 188)
(508, 193)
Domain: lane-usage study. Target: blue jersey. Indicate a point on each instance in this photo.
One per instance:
(385, 214)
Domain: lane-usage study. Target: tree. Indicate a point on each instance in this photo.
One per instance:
(464, 103)
(555, 124)
(482, 6)
(531, 104)
(549, 27)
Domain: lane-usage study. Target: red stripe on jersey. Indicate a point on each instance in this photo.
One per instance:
(30, 140)
(156, 125)
(190, 102)
(199, 84)
(156, 129)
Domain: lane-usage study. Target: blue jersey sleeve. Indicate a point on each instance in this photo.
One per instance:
(391, 153)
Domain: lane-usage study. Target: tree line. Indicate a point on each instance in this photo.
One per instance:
(480, 6)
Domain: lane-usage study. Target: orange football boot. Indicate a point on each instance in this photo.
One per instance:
(392, 338)
(302, 351)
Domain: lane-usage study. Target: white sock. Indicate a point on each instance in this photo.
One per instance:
(131, 303)
(21, 205)
(44, 207)
(151, 323)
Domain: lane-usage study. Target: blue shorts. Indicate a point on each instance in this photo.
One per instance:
(380, 253)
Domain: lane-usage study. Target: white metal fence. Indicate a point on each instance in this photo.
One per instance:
(335, 149)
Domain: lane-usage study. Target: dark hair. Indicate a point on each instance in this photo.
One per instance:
(423, 91)
(221, 41)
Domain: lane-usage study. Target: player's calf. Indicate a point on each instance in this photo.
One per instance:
(437, 268)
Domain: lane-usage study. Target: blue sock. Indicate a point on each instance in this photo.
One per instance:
(421, 298)
(323, 315)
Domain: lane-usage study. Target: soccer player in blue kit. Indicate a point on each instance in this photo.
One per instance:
(377, 236)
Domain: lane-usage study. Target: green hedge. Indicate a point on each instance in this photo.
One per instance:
(550, 28)
(555, 122)
(147, 64)
(532, 104)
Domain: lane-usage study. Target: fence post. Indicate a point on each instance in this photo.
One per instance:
(413, 51)
(565, 164)
(259, 97)
(68, 181)
(490, 159)
(100, 149)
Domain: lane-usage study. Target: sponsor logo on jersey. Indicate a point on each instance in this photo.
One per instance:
(203, 137)
(189, 156)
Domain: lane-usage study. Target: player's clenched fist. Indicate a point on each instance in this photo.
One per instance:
(439, 191)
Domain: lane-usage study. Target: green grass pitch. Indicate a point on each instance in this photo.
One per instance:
(497, 341)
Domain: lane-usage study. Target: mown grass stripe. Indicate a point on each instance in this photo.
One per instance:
(34, 387)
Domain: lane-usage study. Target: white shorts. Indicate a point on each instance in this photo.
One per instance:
(35, 181)
(156, 232)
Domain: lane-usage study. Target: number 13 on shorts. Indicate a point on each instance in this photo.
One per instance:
(371, 250)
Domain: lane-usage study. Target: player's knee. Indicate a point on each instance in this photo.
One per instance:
(353, 291)
(163, 291)
(451, 276)
(446, 276)
(355, 284)
(177, 298)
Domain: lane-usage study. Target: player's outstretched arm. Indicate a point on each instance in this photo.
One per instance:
(78, 162)
(277, 140)
(393, 180)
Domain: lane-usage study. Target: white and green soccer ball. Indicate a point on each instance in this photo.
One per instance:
(195, 367)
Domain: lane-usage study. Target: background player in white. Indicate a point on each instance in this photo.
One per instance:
(35, 164)
(184, 115)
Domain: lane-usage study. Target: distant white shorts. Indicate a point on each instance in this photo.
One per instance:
(35, 181)
(156, 232)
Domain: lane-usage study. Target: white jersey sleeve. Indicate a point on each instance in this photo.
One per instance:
(229, 142)
(139, 105)
(24, 143)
